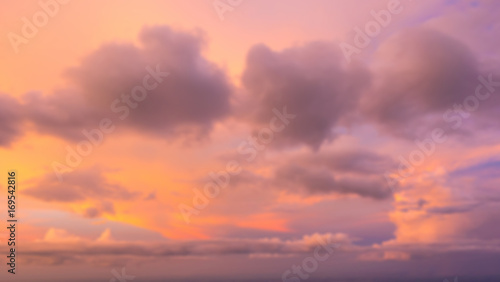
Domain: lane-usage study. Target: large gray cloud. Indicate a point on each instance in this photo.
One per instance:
(420, 74)
(311, 81)
(188, 100)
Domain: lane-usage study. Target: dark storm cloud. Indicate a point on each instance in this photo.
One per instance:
(10, 119)
(188, 100)
(78, 186)
(421, 73)
(311, 81)
(322, 181)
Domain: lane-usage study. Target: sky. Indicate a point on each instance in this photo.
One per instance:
(237, 140)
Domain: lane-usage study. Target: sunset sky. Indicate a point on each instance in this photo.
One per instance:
(226, 140)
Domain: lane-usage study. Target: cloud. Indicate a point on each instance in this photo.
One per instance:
(64, 113)
(382, 256)
(357, 161)
(357, 172)
(79, 185)
(11, 118)
(321, 181)
(74, 246)
(420, 74)
(311, 81)
(193, 96)
(99, 209)
(60, 235)
(473, 23)
(454, 209)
